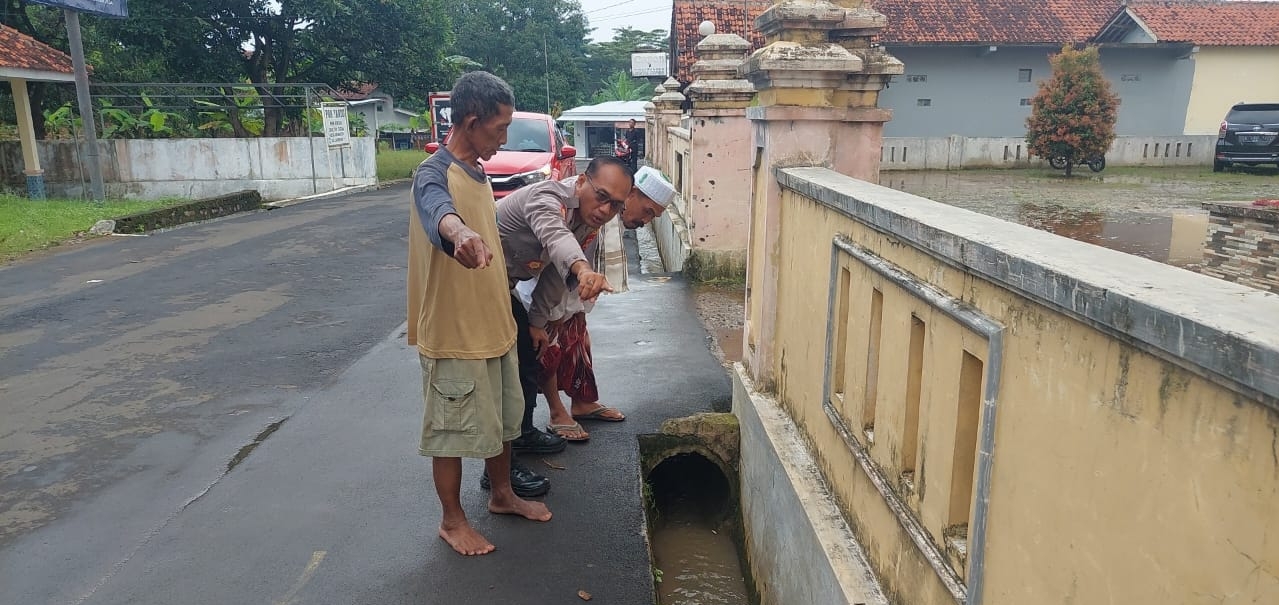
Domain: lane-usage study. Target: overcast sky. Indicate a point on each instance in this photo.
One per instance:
(607, 15)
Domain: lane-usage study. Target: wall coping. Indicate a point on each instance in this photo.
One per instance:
(1214, 328)
(1269, 214)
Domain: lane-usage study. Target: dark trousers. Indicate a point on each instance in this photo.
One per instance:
(530, 367)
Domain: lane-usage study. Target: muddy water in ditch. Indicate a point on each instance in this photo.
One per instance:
(692, 542)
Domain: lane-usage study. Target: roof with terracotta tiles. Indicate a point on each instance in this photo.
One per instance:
(356, 91)
(1210, 22)
(1035, 22)
(20, 51)
(912, 22)
(729, 17)
(1006, 22)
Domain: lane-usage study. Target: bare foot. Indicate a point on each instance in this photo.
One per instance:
(466, 541)
(529, 509)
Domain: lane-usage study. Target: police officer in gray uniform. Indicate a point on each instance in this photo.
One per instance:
(549, 224)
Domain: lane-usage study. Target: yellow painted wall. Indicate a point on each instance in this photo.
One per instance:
(678, 146)
(1225, 75)
(1118, 478)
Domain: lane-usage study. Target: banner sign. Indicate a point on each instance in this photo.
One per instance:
(644, 65)
(441, 116)
(104, 8)
(337, 130)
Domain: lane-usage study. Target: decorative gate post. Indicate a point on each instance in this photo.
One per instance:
(818, 79)
(718, 198)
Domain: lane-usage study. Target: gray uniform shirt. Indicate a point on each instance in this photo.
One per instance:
(540, 228)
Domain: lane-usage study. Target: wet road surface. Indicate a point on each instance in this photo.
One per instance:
(227, 413)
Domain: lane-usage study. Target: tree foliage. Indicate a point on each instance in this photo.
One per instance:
(622, 87)
(612, 56)
(534, 45)
(399, 44)
(1073, 114)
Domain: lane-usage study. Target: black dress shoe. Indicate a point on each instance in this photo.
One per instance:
(538, 442)
(524, 482)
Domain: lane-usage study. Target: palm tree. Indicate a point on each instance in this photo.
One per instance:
(622, 87)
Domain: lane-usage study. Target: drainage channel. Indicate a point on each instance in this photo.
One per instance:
(694, 517)
(650, 256)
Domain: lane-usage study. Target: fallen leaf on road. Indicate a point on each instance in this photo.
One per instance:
(585, 596)
(553, 465)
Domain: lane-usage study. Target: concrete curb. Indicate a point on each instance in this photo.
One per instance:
(189, 212)
(319, 196)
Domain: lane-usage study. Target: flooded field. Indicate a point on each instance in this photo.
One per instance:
(1149, 212)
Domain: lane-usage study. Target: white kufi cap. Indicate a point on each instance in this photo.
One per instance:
(651, 183)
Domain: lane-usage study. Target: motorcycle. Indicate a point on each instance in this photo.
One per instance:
(621, 150)
(1096, 164)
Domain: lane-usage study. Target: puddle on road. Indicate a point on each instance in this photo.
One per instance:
(730, 342)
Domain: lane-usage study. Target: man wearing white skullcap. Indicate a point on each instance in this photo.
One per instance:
(649, 199)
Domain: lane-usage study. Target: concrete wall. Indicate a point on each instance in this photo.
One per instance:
(1006, 416)
(977, 94)
(1228, 75)
(956, 152)
(718, 201)
(811, 538)
(674, 240)
(278, 168)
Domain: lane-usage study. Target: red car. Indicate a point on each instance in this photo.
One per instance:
(534, 151)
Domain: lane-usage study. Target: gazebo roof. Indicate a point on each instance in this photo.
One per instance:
(26, 58)
(610, 111)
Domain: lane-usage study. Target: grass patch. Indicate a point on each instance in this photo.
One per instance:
(27, 225)
(398, 164)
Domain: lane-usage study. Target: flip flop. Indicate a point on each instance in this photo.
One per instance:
(569, 432)
(598, 414)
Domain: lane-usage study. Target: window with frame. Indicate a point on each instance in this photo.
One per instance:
(1024, 75)
(916, 77)
(923, 102)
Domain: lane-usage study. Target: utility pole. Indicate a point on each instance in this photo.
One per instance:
(85, 103)
(547, 60)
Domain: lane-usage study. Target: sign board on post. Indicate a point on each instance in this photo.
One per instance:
(441, 116)
(644, 65)
(105, 8)
(337, 130)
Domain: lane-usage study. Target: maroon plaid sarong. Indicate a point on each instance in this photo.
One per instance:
(569, 357)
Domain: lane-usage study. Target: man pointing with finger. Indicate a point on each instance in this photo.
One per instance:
(459, 317)
(548, 225)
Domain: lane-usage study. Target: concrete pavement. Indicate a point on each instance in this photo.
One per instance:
(131, 401)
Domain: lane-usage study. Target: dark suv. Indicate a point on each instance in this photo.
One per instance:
(1249, 136)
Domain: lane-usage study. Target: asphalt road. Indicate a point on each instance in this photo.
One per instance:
(227, 413)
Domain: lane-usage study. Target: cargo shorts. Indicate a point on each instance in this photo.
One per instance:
(473, 406)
